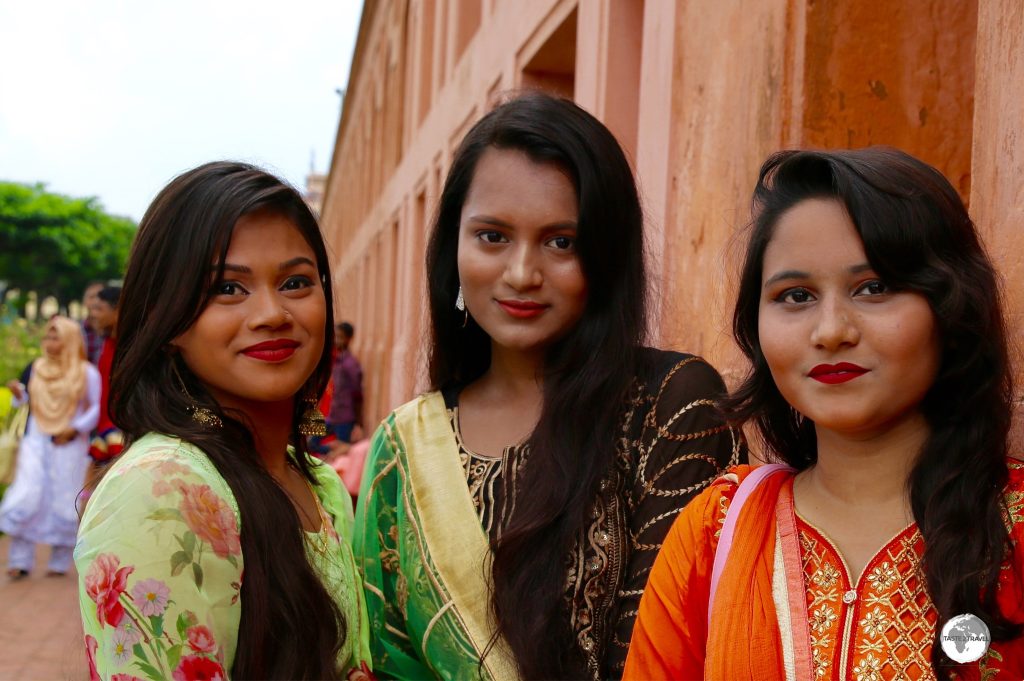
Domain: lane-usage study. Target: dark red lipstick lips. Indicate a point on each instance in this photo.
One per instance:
(522, 309)
(836, 373)
(275, 350)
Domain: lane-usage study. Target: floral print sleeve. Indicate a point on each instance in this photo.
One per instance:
(160, 567)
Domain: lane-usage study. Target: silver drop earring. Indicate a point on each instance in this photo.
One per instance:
(460, 302)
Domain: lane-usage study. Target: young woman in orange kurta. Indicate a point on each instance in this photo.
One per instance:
(881, 386)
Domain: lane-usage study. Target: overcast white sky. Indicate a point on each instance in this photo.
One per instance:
(112, 98)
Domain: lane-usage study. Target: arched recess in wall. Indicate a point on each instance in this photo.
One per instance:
(552, 67)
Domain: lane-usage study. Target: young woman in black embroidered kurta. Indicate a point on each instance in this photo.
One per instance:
(550, 426)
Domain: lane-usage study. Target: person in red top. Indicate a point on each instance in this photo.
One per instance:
(886, 538)
(108, 441)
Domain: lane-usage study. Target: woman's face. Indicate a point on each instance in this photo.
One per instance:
(520, 274)
(52, 344)
(844, 349)
(262, 334)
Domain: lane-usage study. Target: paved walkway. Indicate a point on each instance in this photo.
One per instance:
(40, 631)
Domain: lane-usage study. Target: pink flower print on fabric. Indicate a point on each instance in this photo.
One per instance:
(121, 647)
(105, 582)
(195, 668)
(151, 596)
(131, 631)
(90, 655)
(200, 639)
(124, 677)
(211, 519)
(169, 468)
(161, 488)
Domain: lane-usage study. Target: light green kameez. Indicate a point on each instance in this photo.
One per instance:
(160, 563)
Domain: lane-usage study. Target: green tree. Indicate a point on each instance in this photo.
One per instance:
(55, 244)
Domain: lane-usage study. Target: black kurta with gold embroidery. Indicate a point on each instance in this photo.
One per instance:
(673, 445)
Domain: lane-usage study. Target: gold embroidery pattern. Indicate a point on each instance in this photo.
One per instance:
(1015, 507)
(822, 618)
(874, 623)
(825, 577)
(599, 602)
(893, 618)
(882, 577)
(723, 510)
(868, 669)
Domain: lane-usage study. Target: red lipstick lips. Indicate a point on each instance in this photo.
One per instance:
(836, 373)
(522, 309)
(276, 350)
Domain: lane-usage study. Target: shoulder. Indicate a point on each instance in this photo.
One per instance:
(156, 465)
(156, 451)
(331, 490)
(421, 408)
(678, 373)
(160, 482)
(710, 507)
(91, 372)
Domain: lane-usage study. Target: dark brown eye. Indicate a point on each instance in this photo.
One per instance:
(875, 287)
(794, 295)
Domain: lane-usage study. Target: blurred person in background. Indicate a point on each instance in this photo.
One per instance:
(347, 378)
(63, 392)
(108, 441)
(93, 338)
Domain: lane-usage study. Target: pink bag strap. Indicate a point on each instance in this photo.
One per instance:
(746, 488)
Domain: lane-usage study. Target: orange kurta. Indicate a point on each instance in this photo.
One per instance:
(879, 627)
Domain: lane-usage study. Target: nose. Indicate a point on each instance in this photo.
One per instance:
(267, 310)
(835, 325)
(523, 269)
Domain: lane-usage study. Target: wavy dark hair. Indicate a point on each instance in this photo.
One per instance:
(588, 373)
(168, 284)
(918, 237)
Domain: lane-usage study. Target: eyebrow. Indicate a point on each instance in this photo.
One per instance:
(498, 222)
(798, 274)
(287, 264)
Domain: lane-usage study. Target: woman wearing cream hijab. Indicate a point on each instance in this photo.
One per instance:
(63, 393)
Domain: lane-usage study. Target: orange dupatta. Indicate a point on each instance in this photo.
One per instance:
(672, 640)
(744, 610)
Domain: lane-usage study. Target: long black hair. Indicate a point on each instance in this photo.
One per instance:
(167, 285)
(918, 237)
(588, 373)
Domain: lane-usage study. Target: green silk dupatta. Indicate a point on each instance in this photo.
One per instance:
(423, 554)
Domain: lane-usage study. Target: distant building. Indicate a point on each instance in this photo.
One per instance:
(314, 193)
(699, 93)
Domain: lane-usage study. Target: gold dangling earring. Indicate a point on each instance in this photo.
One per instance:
(201, 415)
(312, 423)
(460, 305)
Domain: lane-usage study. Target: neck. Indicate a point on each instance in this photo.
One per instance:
(271, 426)
(515, 373)
(868, 470)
